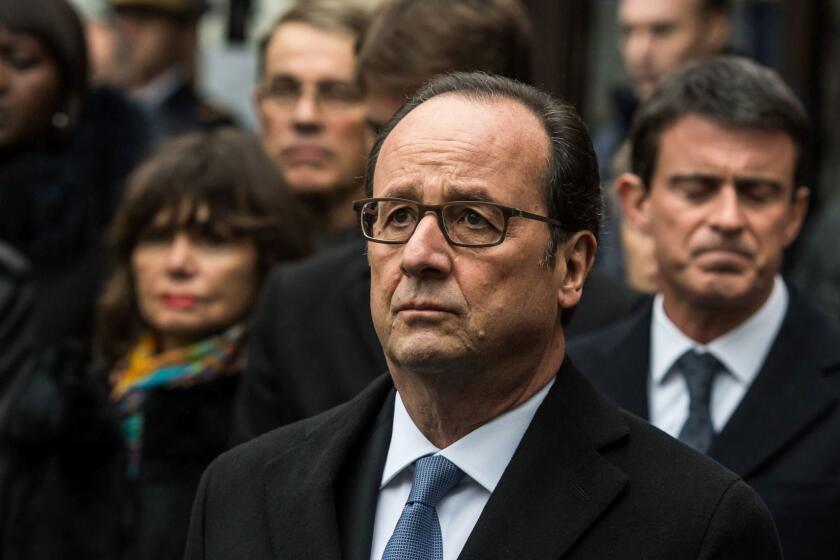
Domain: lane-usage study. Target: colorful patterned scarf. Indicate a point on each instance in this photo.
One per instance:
(144, 371)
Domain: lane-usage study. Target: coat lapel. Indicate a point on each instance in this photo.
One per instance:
(623, 377)
(300, 498)
(557, 483)
(788, 395)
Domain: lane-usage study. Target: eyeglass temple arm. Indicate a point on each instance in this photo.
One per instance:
(524, 214)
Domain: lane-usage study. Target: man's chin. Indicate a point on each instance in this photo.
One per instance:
(310, 185)
(725, 291)
(425, 356)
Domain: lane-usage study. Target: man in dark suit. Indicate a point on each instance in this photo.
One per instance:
(727, 357)
(158, 42)
(483, 442)
(313, 345)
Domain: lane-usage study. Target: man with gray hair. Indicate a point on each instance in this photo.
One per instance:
(483, 441)
(729, 357)
(311, 110)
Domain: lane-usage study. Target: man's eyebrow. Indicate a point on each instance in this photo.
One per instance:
(702, 177)
(751, 181)
(476, 194)
(407, 191)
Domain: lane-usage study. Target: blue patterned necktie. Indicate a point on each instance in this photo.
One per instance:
(417, 534)
(699, 371)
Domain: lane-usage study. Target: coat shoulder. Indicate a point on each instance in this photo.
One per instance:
(316, 273)
(271, 446)
(700, 505)
(593, 348)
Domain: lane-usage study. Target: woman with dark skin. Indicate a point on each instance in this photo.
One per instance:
(65, 149)
(201, 223)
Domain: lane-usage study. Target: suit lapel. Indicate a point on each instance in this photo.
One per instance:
(300, 498)
(357, 486)
(787, 395)
(557, 483)
(625, 379)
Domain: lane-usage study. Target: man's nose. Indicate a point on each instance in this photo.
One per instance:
(638, 46)
(727, 214)
(427, 253)
(307, 111)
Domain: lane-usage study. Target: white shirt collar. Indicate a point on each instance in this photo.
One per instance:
(742, 350)
(160, 88)
(483, 454)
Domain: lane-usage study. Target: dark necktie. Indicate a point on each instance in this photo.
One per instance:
(417, 534)
(699, 371)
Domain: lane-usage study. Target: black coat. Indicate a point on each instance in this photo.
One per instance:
(56, 202)
(313, 344)
(784, 437)
(586, 482)
(63, 483)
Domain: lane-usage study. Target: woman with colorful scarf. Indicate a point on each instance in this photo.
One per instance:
(100, 457)
(201, 224)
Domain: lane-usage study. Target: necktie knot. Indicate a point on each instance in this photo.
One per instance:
(434, 477)
(417, 535)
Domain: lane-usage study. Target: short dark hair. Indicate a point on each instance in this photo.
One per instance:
(722, 6)
(573, 192)
(56, 25)
(227, 171)
(730, 90)
(408, 42)
(344, 16)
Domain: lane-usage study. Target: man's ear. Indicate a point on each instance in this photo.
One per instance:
(799, 208)
(633, 196)
(577, 255)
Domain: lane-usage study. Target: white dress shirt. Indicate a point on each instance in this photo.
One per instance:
(483, 455)
(742, 351)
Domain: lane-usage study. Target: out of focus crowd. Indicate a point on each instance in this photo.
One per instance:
(173, 283)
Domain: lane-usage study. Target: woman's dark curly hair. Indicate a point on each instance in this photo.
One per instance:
(224, 171)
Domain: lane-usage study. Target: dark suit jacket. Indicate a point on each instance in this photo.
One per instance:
(784, 437)
(313, 345)
(586, 482)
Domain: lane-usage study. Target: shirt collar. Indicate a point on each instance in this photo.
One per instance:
(483, 454)
(160, 88)
(742, 350)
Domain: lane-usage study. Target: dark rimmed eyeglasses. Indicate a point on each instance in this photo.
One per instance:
(463, 223)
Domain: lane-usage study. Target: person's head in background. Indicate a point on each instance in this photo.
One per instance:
(310, 110)
(718, 155)
(409, 42)
(43, 73)
(156, 37)
(658, 36)
(202, 221)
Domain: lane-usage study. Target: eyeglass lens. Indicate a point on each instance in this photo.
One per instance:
(473, 223)
(286, 91)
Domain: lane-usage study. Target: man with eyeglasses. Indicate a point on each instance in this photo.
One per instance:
(311, 111)
(482, 441)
